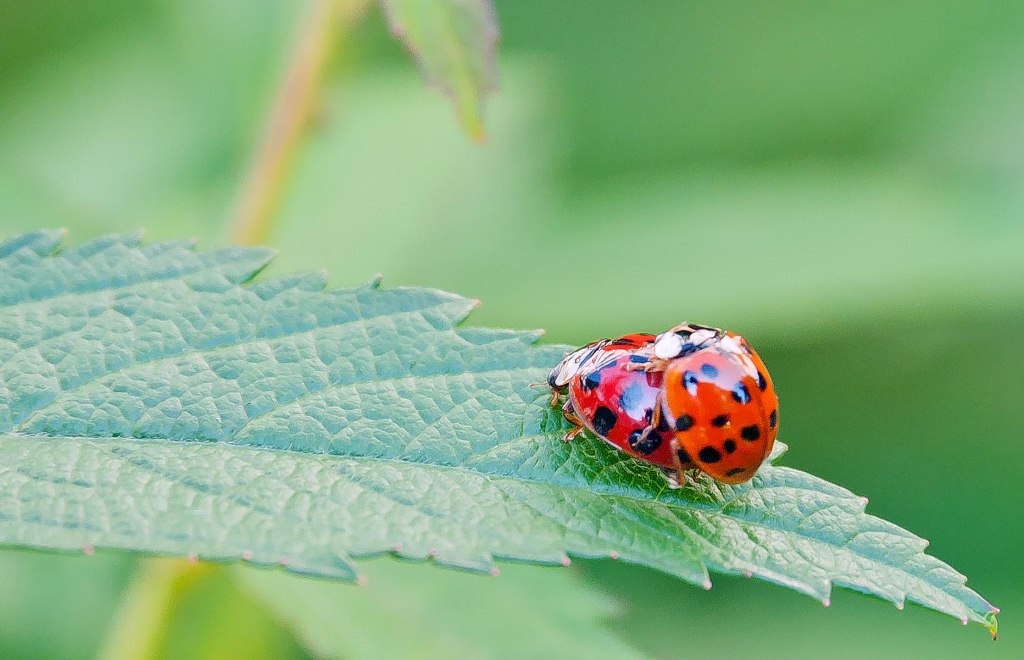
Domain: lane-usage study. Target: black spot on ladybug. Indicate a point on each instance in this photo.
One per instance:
(593, 379)
(644, 445)
(709, 370)
(721, 420)
(730, 446)
(604, 420)
(632, 398)
(684, 423)
(710, 455)
(683, 456)
(773, 419)
(751, 432)
(638, 359)
(734, 471)
(690, 382)
(741, 393)
(761, 382)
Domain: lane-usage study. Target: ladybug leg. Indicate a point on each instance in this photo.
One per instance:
(657, 421)
(656, 416)
(570, 414)
(557, 392)
(654, 423)
(677, 477)
(571, 435)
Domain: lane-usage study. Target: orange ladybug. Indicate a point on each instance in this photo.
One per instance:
(719, 400)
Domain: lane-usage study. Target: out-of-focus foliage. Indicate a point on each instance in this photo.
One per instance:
(456, 616)
(842, 184)
(453, 42)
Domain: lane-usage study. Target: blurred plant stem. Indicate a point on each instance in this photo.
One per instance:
(139, 629)
(320, 32)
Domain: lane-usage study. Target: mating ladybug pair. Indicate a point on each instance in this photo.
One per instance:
(694, 397)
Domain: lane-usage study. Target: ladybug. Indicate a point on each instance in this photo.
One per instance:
(608, 395)
(717, 398)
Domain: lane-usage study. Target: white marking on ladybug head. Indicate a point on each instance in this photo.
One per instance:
(733, 344)
(702, 336)
(683, 339)
(564, 371)
(667, 345)
(572, 364)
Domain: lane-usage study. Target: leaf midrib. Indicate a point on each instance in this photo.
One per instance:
(589, 490)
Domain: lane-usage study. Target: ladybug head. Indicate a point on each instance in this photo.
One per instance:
(685, 339)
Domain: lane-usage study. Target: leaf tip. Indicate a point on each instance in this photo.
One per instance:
(826, 602)
(475, 130)
(377, 280)
(614, 554)
(247, 555)
(990, 622)
(88, 549)
(707, 585)
(495, 572)
(362, 581)
(566, 561)
(469, 110)
(193, 558)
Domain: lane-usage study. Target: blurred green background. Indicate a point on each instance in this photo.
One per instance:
(842, 183)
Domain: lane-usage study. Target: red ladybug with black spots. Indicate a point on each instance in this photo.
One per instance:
(613, 400)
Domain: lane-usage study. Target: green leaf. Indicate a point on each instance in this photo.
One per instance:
(479, 615)
(453, 42)
(149, 401)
